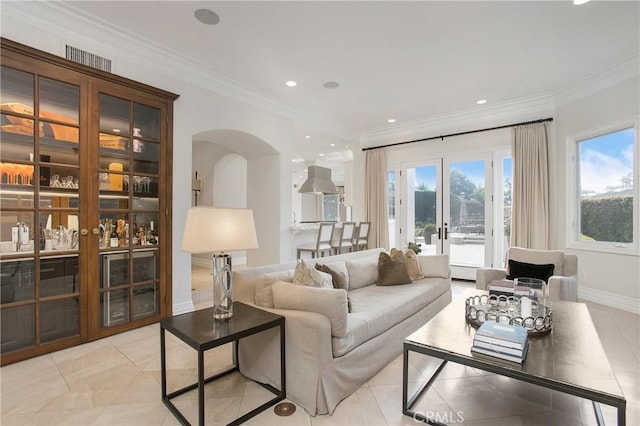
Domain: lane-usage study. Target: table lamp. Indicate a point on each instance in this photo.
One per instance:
(219, 230)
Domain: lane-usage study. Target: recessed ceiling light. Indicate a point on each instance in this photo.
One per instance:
(207, 16)
(579, 2)
(333, 144)
(291, 83)
(330, 85)
(307, 137)
(481, 101)
(391, 120)
(321, 155)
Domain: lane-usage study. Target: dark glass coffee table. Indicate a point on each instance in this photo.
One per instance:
(201, 332)
(570, 359)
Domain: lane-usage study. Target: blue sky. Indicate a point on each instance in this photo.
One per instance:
(604, 160)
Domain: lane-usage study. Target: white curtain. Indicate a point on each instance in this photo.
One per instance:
(375, 198)
(530, 216)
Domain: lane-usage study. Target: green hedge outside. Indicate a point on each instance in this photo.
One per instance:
(607, 219)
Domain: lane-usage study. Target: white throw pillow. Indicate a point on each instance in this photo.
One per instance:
(363, 272)
(310, 276)
(332, 303)
(264, 294)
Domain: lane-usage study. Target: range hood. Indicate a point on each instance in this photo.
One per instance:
(318, 181)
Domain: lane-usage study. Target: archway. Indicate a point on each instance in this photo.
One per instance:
(236, 165)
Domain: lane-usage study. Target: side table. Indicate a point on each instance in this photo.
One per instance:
(201, 332)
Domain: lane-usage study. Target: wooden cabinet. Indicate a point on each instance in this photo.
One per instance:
(85, 203)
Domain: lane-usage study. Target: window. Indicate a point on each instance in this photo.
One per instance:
(391, 193)
(330, 208)
(604, 210)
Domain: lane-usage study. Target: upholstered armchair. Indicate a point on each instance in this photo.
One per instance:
(563, 284)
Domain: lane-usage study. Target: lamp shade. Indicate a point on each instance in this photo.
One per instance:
(211, 229)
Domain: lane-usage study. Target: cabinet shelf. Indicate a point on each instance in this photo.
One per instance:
(20, 139)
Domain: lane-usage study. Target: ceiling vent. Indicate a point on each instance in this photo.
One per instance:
(90, 59)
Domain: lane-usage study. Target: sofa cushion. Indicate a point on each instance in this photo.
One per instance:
(434, 266)
(264, 293)
(311, 277)
(332, 303)
(378, 308)
(393, 271)
(339, 279)
(362, 272)
(529, 270)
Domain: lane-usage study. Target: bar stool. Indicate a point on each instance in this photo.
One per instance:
(344, 241)
(322, 244)
(361, 238)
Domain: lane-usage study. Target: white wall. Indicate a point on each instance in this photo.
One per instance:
(603, 277)
(230, 182)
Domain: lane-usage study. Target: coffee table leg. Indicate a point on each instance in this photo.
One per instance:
(407, 402)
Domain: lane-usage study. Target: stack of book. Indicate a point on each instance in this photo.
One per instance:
(503, 341)
(507, 288)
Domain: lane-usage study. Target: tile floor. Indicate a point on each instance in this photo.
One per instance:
(116, 381)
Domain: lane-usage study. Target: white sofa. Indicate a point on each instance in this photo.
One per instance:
(328, 359)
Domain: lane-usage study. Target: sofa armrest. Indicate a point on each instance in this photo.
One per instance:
(308, 351)
(563, 288)
(484, 276)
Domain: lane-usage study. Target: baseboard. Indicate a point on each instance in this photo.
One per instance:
(612, 300)
(183, 308)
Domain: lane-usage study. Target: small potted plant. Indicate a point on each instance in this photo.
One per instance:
(415, 247)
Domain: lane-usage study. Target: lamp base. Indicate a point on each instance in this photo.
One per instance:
(222, 287)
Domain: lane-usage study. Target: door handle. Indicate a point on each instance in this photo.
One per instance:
(439, 233)
(446, 231)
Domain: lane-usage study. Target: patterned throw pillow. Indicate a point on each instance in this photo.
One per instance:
(305, 275)
(338, 280)
(392, 271)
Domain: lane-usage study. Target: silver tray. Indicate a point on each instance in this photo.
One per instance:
(506, 310)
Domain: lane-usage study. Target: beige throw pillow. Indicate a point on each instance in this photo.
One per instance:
(411, 260)
(413, 265)
(308, 276)
(392, 271)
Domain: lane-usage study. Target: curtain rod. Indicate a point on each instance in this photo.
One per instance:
(542, 120)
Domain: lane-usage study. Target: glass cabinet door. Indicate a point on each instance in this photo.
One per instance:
(129, 243)
(40, 203)
(83, 203)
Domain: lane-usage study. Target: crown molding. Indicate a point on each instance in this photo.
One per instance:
(125, 46)
(610, 76)
(523, 109)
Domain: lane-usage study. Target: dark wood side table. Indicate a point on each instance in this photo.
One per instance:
(198, 330)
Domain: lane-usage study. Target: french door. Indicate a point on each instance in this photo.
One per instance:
(446, 207)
